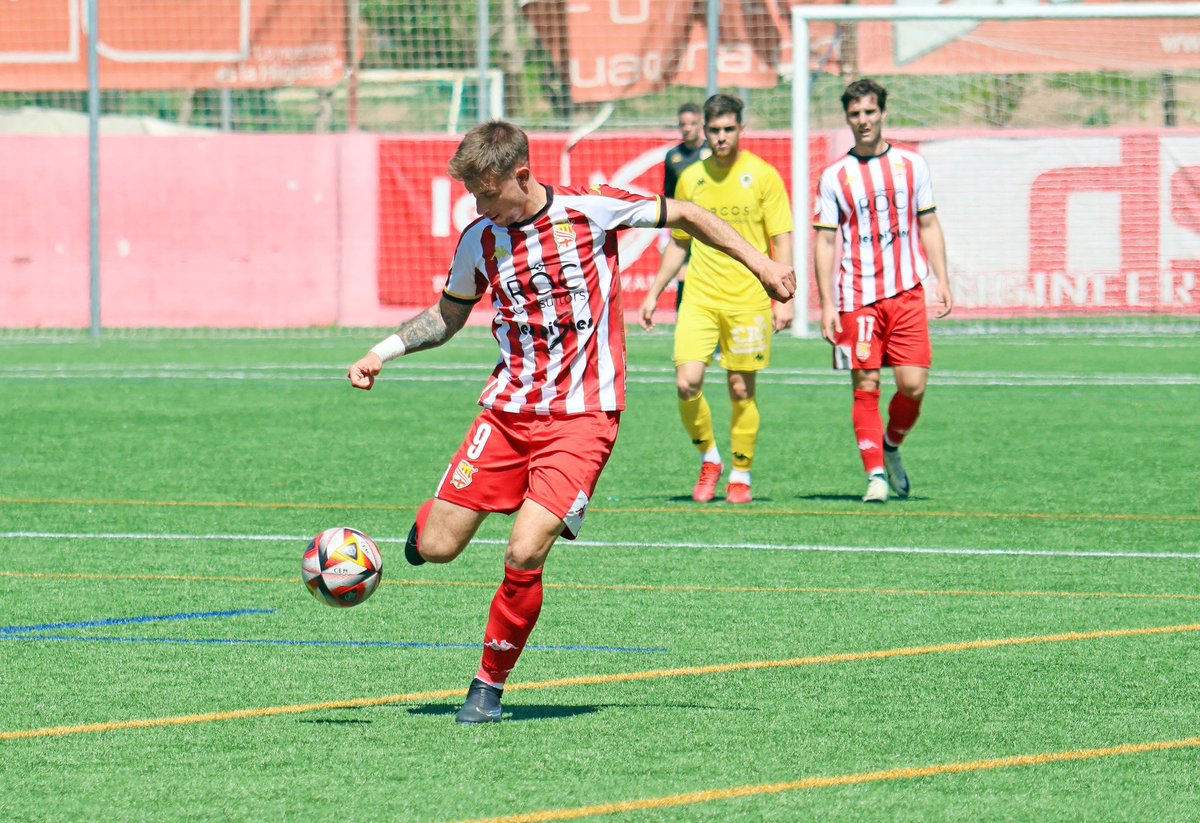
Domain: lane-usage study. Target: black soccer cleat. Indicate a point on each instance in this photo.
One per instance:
(411, 553)
(482, 706)
(410, 548)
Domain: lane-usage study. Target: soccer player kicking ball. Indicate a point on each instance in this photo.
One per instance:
(881, 198)
(553, 405)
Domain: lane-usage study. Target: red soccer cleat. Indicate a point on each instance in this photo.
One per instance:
(738, 493)
(706, 486)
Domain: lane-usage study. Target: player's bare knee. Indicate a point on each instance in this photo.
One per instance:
(439, 548)
(687, 390)
(524, 559)
(741, 388)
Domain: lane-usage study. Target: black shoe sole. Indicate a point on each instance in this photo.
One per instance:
(410, 548)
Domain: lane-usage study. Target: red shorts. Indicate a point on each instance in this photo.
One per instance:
(553, 460)
(891, 332)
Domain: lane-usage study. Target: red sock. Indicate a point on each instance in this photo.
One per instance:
(903, 412)
(868, 428)
(515, 610)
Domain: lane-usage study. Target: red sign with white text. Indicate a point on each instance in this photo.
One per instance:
(615, 50)
(173, 44)
(1038, 223)
(1003, 47)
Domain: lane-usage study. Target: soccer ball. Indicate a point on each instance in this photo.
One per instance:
(342, 567)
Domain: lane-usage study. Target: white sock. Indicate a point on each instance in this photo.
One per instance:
(737, 476)
(712, 455)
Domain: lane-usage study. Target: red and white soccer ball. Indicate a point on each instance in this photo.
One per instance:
(342, 567)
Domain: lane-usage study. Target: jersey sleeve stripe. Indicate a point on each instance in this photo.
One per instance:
(461, 300)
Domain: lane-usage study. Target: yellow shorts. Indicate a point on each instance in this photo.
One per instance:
(743, 334)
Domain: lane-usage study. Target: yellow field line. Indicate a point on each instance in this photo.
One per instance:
(599, 680)
(714, 510)
(621, 587)
(909, 773)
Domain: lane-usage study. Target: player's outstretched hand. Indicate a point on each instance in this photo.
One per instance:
(779, 281)
(831, 324)
(782, 315)
(362, 374)
(646, 313)
(945, 298)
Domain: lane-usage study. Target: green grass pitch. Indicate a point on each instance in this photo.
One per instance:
(1019, 640)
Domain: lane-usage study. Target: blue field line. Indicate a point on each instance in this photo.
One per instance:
(344, 643)
(123, 621)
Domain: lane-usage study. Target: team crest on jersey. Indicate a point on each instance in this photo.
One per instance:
(747, 180)
(564, 235)
(464, 472)
(595, 187)
(862, 349)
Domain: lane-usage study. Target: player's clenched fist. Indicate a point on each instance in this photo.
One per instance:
(779, 281)
(362, 374)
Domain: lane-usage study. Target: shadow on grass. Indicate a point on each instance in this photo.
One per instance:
(516, 713)
(857, 498)
(686, 499)
(334, 721)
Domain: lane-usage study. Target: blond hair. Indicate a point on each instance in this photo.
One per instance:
(489, 152)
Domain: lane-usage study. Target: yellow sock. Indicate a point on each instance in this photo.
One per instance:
(744, 433)
(697, 419)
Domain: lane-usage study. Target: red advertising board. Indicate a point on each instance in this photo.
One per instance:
(173, 44)
(1008, 47)
(624, 48)
(608, 51)
(1036, 222)
(422, 210)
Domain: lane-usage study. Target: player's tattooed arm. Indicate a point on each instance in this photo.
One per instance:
(435, 325)
(429, 329)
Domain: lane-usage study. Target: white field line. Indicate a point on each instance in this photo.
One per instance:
(780, 547)
(475, 373)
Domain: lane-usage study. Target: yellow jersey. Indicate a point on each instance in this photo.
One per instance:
(751, 197)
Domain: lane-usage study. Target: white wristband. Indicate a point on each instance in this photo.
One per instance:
(389, 348)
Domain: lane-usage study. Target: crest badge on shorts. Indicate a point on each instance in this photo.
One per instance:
(463, 474)
(862, 349)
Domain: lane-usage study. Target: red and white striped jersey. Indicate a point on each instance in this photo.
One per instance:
(556, 288)
(876, 202)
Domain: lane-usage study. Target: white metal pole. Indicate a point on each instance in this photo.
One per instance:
(713, 21)
(482, 59)
(94, 164)
(801, 207)
(1018, 11)
(353, 34)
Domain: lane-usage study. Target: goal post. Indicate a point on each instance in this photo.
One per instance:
(1101, 178)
